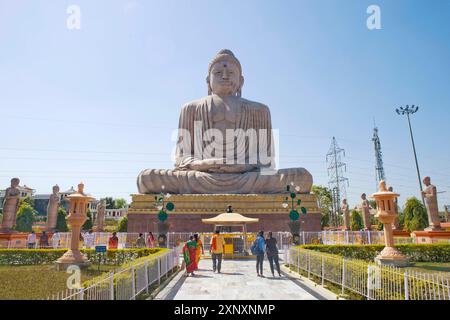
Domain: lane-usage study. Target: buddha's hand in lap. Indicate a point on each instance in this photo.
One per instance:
(206, 164)
(235, 168)
(218, 166)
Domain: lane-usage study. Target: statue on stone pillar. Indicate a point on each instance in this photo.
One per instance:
(10, 206)
(365, 210)
(52, 209)
(430, 196)
(346, 214)
(395, 225)
(101, 207)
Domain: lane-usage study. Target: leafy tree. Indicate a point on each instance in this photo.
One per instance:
(88, 224)
(325, 202)
(28, 200)
(356, 221)
(123, 225)
(61, 223)
(415, 215)
(25, 218)
(109, 203)
(120, 203)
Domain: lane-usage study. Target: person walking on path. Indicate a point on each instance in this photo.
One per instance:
(113, 241)
(216, 250)
(189, 255)
(258, 249)
(200, 250)
(55, 240)
(89, 239)
(150, 240)
(272, 253)
(31, 240)
(43, 240)
(140, 241)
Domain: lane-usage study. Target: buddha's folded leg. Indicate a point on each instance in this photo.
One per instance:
(178, 181)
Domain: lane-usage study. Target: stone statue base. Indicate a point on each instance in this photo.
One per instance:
(72, 257)
(431, 236)
(434, 228)
(190, 209)
(8, 230)
(13, 240)
(390, 256)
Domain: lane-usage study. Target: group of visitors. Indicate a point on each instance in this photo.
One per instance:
(142, 242)
(32, 240)
(265, 246)
(261, 247)
(192, 251)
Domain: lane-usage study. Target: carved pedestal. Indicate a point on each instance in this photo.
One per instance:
(192, 208)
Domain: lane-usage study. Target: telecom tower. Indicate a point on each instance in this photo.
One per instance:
(337, 180)
(379, 169)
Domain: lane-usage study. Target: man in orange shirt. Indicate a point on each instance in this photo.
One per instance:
(217, 250)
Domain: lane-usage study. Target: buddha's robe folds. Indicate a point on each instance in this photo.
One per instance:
(258, 179)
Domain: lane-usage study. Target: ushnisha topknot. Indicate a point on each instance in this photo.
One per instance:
(225, 54)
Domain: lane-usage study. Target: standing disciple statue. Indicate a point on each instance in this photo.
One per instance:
(225, 143)
(430, 196)
(52, 209)
(101, 207)
(10, 206)
(346, 214)
(365, 210)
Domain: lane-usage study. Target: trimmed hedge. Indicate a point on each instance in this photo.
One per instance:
(439, 252)
(48, 256)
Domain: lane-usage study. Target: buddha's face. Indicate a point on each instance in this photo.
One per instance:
(225, 78)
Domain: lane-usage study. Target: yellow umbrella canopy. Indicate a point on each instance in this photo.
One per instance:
(229, 219)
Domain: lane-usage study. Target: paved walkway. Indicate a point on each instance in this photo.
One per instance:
(237, 281)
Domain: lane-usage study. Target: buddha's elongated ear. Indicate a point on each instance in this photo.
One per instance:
(239, 91)
(209, 86)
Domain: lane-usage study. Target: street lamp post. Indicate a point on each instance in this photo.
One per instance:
(411, 110)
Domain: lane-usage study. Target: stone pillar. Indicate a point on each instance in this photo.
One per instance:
(77, 217)
(386, 213)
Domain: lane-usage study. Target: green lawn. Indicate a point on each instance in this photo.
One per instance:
(430, 267)
(39, 281)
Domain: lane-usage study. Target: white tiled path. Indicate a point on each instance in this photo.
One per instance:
(237, 281)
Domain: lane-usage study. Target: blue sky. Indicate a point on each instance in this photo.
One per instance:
(99, 104)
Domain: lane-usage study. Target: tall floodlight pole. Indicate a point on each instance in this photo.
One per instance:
(411, 110)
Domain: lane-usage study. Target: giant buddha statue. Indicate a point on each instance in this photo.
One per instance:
(225, 143)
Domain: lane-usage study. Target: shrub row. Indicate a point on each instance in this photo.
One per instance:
(439, 252)
(47, 256)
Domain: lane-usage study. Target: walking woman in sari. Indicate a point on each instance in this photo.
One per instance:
(199, 251)
(189, 255)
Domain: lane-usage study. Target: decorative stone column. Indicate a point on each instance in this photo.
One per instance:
(77, 217)
(386, 213)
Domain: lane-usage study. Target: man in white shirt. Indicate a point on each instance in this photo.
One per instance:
(89, 239)
(55, 240)
(31, 240)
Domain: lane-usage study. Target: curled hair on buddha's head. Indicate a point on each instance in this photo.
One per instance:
(225, 54)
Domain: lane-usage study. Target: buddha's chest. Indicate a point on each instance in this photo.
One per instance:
(225, 112)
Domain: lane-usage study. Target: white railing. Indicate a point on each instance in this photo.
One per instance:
(284, 239)
(372, 281)
(127, 283)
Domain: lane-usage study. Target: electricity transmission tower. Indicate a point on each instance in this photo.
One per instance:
(379, 169)
(336, 180)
